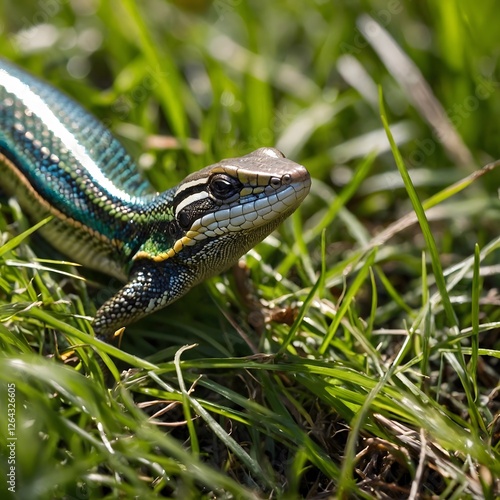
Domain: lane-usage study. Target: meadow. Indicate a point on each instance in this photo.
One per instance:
(353, 353)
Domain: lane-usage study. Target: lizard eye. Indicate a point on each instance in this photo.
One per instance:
(223, 187)
(184, 220)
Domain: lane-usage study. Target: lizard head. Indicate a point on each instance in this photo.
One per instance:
(223, 210)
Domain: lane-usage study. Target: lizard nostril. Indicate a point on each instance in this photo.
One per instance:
(275, 182)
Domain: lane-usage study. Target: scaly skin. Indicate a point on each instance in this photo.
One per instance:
(59, 160)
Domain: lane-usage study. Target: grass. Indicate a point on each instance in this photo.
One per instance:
(355, 354)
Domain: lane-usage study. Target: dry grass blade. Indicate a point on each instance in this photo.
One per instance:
(411, 218)
(435, 456)
(417, 90)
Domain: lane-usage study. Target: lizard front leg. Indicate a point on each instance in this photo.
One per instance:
(151, 286)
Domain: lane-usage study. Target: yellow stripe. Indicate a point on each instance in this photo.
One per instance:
(185, 241)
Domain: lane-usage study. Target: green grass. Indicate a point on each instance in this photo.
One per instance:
(356, 354)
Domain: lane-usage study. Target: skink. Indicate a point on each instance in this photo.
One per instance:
(58, 160)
